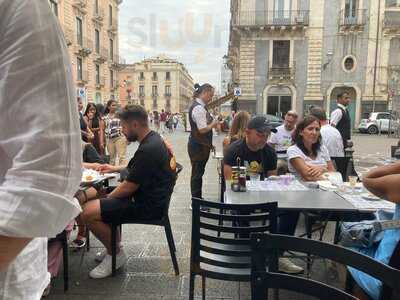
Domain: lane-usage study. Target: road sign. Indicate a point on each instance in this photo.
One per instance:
(237, 91)
(81, 93)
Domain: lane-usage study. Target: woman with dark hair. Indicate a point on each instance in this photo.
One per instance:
(86, 133)
(116, 141)
(95, 124)
(308, 158)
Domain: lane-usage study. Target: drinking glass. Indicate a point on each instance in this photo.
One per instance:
(353, 182)
(254, 177)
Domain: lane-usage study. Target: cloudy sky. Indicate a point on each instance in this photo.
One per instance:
(194, 32)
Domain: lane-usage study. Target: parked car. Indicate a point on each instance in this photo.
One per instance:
(274, 120)
(379, 122)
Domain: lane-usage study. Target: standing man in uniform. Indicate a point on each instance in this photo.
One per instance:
(200, 139)
(340, 117)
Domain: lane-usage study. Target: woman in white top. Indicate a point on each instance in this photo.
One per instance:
(308, 158)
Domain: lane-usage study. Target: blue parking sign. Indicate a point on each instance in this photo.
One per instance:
(237, 91)
(81, 93)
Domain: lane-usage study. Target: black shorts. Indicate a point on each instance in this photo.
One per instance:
(116, 210)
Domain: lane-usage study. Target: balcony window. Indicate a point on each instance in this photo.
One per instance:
(111, 78)
(110, 15)
(97, 40)
(154, 90)
(154, 76)
(96, 6)
(111, 49)
(281, 54)
(79, 34)
(141, 77)
(282, 12)
(392, 3)
(98, 97)
(79, 70)
(350, 11)
(97, 74)
(141, 90)
(168, 76)
(168, 90)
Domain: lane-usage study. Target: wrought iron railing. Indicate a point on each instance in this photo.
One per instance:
(272, 18)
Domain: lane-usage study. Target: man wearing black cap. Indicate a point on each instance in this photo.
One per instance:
(254, 152)
(258, 157)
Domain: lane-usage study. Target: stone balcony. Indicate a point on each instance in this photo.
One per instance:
(391, 22)
(281, 74)
(352, 20)
(270, 20)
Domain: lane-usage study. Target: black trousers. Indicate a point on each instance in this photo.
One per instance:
(196, 179)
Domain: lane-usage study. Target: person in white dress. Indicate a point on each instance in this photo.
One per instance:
(40, 148)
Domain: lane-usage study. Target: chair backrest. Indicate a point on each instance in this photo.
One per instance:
(179, 169)
(221, 235)
(269, 245)
(262, 281)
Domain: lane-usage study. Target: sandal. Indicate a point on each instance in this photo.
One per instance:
(78, 243)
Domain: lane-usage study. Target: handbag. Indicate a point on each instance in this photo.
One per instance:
(366, 234)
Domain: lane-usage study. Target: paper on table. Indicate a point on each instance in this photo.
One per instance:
(275, 186)
(359, 202)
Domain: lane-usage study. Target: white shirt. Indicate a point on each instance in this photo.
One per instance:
(337, 114)
(199, 114)
(40, 148)
(332, 140)
(295, 152)
(282, 139)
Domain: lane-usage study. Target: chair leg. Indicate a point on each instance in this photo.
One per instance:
(65, 261)
(171, 245)
(87, 239)
(114, 248)
(191, 286)
(203, 287)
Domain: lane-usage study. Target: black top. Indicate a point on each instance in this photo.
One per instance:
(83, 126)
(344, 125)
(260, 161)
(151, 168)
(90, 155)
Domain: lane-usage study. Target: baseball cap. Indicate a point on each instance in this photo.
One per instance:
(261, 124)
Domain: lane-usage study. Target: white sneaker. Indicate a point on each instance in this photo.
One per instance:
(99, 257)
(286, 266)
(104, 269)
(101, 254)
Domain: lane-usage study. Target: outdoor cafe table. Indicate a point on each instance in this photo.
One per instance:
(329, 204)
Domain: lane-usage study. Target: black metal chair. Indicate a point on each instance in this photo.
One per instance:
(225, 257)
(268, 280)
(163, 221)
(267, 246)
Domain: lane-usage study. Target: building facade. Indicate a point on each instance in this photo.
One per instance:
(91, 31)
(157, 83)
(290, 54)
(226, 76)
